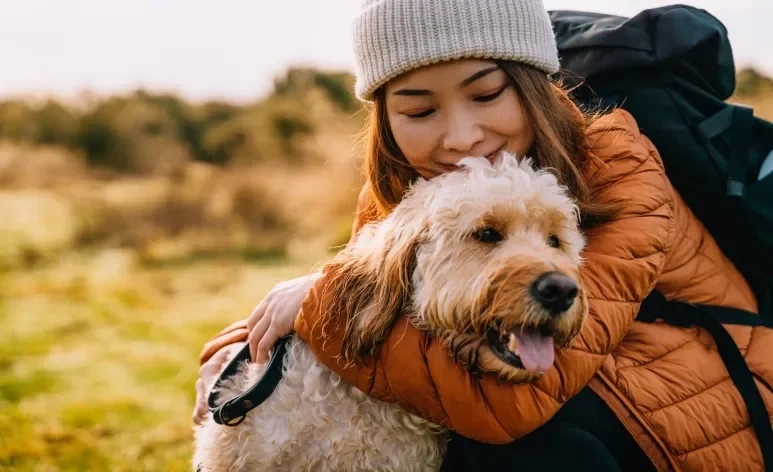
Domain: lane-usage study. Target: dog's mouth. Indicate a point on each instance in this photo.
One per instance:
(531, 349)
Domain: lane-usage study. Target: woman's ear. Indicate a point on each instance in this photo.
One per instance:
(369, 283)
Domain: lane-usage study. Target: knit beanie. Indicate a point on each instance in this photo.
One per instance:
(391, 37)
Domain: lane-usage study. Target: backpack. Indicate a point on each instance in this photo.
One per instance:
(672, 68)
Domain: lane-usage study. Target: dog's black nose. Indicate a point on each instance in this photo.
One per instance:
(555, 291)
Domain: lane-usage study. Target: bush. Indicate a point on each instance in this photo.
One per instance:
(208, 117)
(750, 81)
(56, 125)
(290, 128)
(17, 121)
(101, 139)
(134, 134)
(338, 88)
(296, 81)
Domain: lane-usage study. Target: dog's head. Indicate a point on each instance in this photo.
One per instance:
(486, 258)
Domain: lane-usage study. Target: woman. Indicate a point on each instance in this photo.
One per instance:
(470, 77)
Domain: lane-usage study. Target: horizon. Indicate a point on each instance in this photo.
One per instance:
(202, 51)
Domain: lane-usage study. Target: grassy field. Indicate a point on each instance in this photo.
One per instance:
(111, 281)
(98, 357)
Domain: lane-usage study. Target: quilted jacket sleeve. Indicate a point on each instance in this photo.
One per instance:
(623, 260)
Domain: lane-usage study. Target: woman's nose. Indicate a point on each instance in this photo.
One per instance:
(463, 133)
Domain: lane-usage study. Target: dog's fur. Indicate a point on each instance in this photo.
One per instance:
(429, 261)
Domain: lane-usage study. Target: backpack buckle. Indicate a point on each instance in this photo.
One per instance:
(735, 188)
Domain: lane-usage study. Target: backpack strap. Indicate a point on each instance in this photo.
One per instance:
(739, 121)
(740, 139)
(711, 319)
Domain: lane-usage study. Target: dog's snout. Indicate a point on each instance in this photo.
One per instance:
(555, 291)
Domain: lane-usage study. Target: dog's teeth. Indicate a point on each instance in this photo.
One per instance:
(512, 346)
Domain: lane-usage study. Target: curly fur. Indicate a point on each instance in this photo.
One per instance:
(314, 420)
(424, 260)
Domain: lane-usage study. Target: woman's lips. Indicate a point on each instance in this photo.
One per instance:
(494, 154)
(490, 157)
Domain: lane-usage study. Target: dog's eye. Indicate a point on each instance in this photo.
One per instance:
(554, 241)
(488, 235)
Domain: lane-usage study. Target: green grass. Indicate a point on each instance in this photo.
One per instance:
(98, 374)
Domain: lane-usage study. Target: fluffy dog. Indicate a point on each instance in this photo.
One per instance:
(486, 258)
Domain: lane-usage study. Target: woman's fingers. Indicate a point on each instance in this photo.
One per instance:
(257, 334)
(257, 313)
(267, 343)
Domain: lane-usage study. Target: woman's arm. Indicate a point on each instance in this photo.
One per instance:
(623, 260)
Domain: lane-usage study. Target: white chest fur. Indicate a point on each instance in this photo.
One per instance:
(314, 420)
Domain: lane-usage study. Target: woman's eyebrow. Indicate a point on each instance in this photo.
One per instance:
(407, 92)
(480, 74)
(411, 92)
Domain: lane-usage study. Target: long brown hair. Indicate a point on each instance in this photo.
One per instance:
(560, 143)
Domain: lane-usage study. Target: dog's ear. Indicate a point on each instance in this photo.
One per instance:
(370, 284)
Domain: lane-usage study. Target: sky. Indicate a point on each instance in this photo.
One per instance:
(233, 49)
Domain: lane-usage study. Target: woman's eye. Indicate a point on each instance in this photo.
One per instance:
(420, 115)
(488, 236)
(491, 96)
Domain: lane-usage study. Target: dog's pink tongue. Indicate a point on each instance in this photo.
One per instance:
(535, 350)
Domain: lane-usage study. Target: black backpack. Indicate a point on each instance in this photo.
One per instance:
(672, 68)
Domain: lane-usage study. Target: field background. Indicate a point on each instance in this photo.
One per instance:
(134, 227)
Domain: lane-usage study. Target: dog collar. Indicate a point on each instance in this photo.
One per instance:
(234, 411)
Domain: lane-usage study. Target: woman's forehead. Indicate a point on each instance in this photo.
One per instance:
(446, 72)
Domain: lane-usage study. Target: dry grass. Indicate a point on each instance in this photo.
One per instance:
(99, 356)
(268, 209)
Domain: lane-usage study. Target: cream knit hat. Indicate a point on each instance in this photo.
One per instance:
(394, 36)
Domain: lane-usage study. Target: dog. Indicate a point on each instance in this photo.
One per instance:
(485, 258)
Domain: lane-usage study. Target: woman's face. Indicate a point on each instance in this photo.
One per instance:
(444, 112)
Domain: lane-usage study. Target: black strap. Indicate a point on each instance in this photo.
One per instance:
(717, 123)
(740, 137)
(234, 411)
(738, 120)
(711, 318)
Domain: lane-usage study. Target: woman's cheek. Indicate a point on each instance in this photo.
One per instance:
(510, 120)
(415, 142)
(520, 134)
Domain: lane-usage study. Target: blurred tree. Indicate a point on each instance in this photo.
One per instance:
(338, 87)
(134, 134)
(17, 121)
(152, 132)
(56, 124)
(750, 81)
(210, 116)
(224, 140)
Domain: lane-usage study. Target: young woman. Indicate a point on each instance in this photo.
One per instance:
(470, 78)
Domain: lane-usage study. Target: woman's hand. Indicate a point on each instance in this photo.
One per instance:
(208, 374)
(275, 316)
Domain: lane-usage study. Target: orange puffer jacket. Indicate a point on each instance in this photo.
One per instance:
(667, 384)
